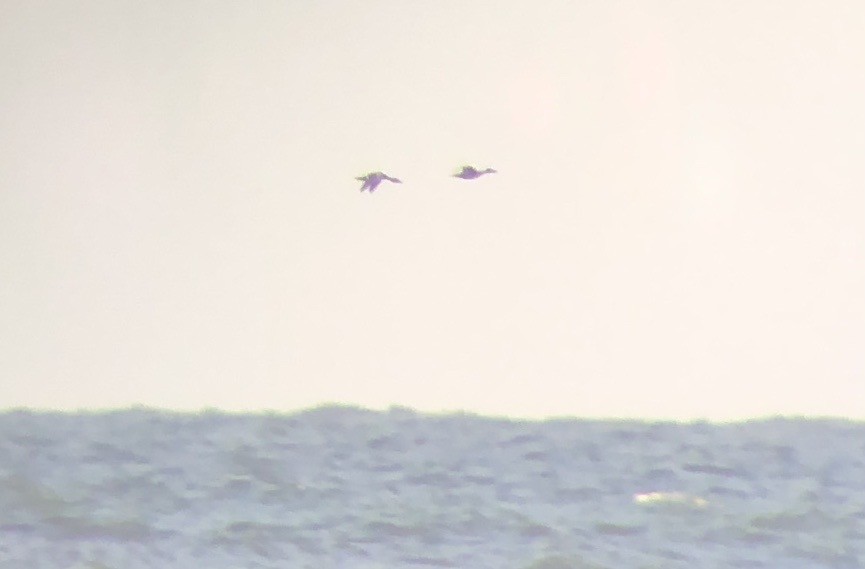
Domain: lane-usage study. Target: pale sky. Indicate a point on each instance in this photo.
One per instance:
(677, 228)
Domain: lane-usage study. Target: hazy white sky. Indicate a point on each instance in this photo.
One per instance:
(677, 228)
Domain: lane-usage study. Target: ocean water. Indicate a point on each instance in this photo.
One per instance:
(339, 487)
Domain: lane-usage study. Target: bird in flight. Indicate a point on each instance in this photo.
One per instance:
(470, 173)
(373, 179)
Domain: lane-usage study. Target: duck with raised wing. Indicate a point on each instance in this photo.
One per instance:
(373, 179)
(470, 173)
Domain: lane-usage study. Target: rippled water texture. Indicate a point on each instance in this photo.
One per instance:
(341, 487)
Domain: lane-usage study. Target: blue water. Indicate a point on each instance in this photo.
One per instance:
(340, 487)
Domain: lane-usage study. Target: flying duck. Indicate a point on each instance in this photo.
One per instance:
(470, 173)
(373, 179)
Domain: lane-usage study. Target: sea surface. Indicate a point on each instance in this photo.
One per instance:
(341, 487)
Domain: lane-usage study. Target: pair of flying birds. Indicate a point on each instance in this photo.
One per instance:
(373, 179)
